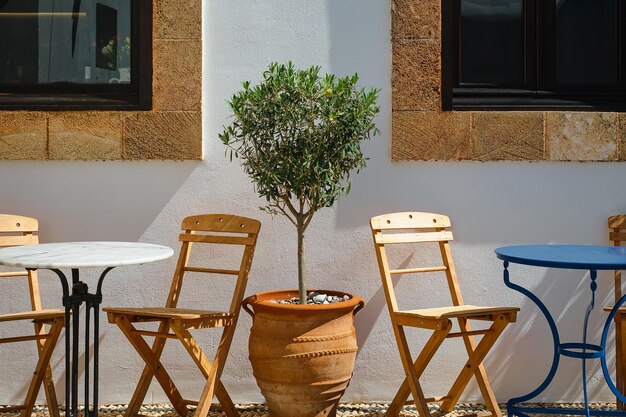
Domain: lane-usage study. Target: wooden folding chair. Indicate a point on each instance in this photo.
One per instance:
(411, 228)
(617, 234)
(221, 229)
(17, 231)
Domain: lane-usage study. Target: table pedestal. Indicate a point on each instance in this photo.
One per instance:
(582, 351)
(72, 302)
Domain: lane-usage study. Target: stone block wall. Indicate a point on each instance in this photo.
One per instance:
(171, 130)
(422, 131)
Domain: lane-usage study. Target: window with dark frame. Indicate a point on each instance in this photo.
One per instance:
(75, 54)
(534, 54)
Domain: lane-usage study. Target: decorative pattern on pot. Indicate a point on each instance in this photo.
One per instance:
(302, 355)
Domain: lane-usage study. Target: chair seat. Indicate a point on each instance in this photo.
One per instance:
(465, 311)
(33, 315)
(168, 313)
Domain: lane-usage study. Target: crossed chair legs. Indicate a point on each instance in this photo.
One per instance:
(45, 347)
(212, 371)
(473, 366)
(154, 368)
(42, 374)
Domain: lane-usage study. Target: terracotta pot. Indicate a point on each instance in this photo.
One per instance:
(302, 355)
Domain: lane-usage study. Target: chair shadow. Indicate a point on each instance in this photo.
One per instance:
(59, 383)
(366, 320)
(567, 299)
(566, 294)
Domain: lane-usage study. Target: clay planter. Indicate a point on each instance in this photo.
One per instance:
(302, 355)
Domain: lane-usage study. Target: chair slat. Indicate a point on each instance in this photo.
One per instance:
(18, 240)
(33, 315)
(413, 237)
(620, 236)
(225, 240)
(470, 333)
(221, 223)
(617, 221)
(11, 223)
(417, 270)
(24, 338)
(13, 274)
(409, 220)
(155, 334)
(429, 400)
(211, 270)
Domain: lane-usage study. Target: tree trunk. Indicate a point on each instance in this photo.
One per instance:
(301, 264)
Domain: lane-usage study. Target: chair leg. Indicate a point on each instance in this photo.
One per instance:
(620, 364)
(141, 390)
(425, 356)
(215, 372)
(474, 361)
(412, 376)
(42, 364)
(151, 358)
(481, 376)
(48, 382)
(136, 401)
(204, 364)
(51, 397)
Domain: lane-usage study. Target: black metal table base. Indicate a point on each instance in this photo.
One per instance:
(72, 301)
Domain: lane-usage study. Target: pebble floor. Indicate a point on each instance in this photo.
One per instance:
(344, 410)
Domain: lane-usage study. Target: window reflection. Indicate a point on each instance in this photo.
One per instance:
(586, 42)
(65, 41)
(491, 42)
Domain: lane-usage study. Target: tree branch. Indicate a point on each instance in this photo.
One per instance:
(292, 209)
(282, 210)
(308, 218)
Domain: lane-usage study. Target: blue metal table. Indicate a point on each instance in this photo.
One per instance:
(592, 258)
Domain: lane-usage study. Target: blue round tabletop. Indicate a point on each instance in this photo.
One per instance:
(566, 256)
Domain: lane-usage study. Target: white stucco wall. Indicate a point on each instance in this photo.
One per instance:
(491, 204)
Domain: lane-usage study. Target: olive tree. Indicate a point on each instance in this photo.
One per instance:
(298, 136)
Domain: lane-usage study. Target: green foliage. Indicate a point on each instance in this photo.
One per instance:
(298, 136)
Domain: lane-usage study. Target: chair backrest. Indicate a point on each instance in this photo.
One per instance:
(413, 228)
(617, 234)
(219, 229)
(17, 231)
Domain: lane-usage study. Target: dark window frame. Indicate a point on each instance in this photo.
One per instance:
(539, 92)
(137, 95)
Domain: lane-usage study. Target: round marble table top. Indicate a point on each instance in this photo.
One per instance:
(82, 254)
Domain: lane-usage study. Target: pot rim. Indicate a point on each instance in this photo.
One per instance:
(264, 300)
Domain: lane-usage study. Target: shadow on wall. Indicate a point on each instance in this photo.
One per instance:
(91, 200)
(490, 204)
(526, 349)
(521, 359)
(58, 373)
(375, 306)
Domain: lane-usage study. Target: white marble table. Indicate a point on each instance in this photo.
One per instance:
(76, 256)
(83, 254)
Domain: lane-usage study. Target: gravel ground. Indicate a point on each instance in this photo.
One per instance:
(345, 410)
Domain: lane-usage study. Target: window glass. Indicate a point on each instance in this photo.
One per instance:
(65, 41)
(491, 42)
(586, 42)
